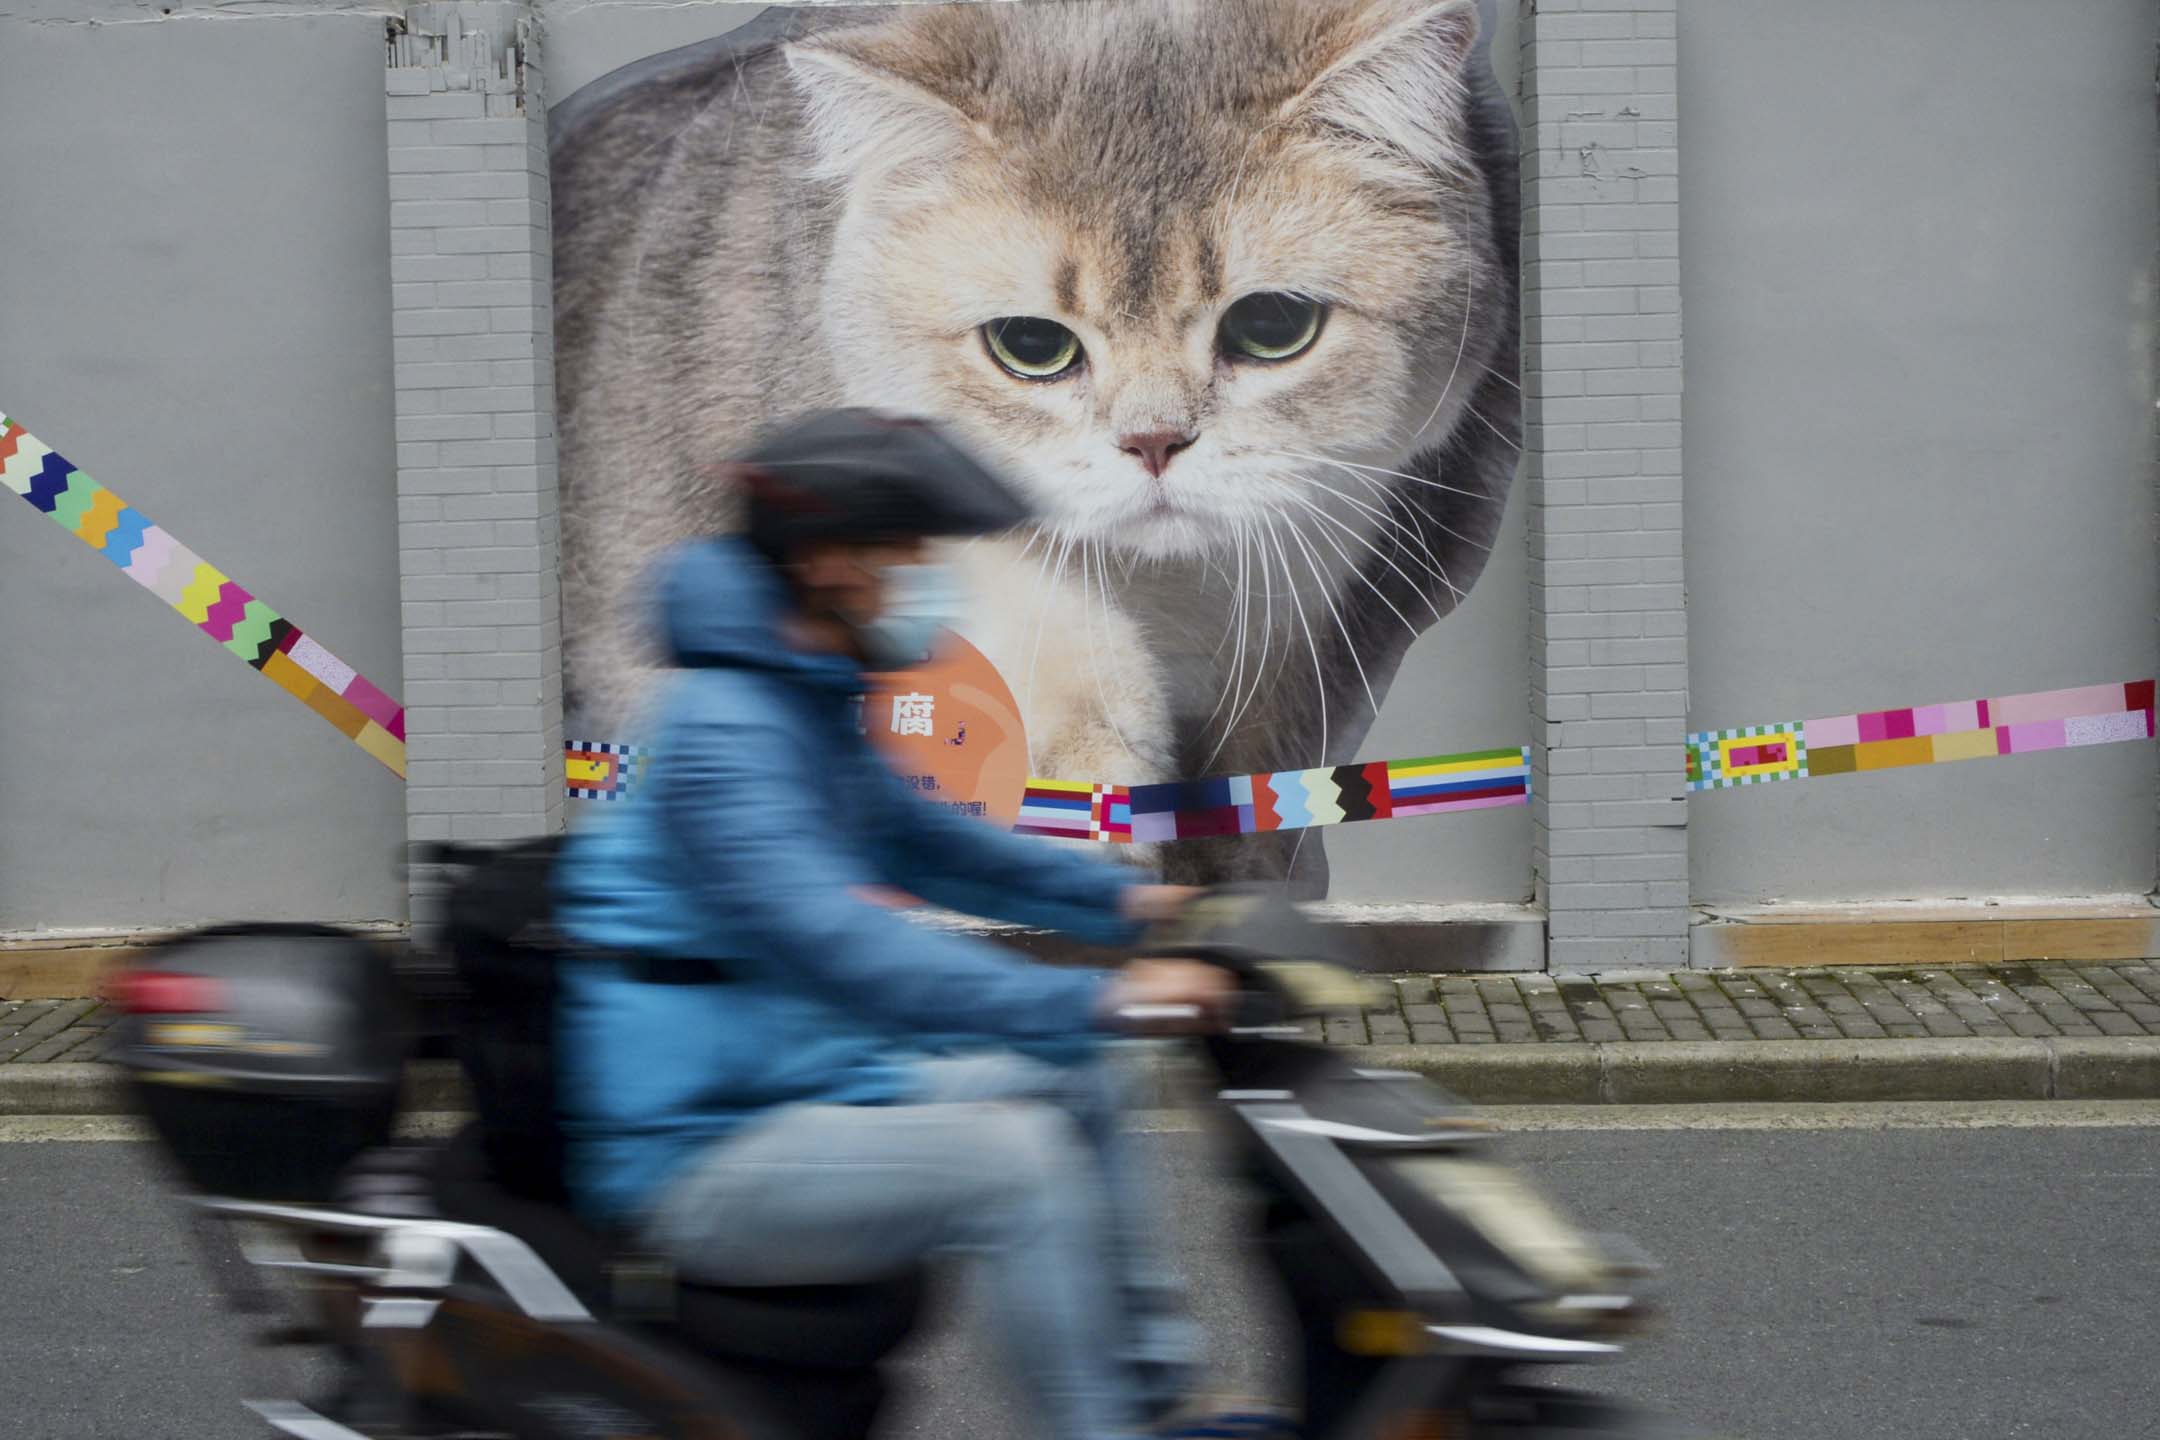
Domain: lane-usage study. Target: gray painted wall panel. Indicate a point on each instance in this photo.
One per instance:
(194, 285)
(1918, 245)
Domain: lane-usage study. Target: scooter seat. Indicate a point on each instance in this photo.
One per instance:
(821, 1326)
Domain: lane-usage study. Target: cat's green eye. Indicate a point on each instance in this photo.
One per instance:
(1031, 348)
(1271, 326)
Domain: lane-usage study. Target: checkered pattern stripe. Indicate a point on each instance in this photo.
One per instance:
(205, 596)
(1924, 735)
(1750, 755)
(600, 769)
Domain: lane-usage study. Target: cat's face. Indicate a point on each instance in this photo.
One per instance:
(1178, 266)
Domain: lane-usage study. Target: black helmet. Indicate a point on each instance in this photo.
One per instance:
(864, 475)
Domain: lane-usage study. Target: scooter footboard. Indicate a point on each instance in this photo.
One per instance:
(481, 1364)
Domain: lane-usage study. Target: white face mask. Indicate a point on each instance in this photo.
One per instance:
(920, 601)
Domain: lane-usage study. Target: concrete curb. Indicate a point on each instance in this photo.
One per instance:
(1680, 1072)
(1643, 1072)
(95, 1089)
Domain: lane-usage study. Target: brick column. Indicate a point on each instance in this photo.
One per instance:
(1601, 373)
(477, 512)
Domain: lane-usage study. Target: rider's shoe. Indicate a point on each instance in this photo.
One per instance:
(1222, 1418)
(1168, 1363)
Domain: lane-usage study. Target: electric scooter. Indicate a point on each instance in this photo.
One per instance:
(456, 1294)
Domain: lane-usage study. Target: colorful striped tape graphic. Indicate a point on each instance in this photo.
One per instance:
(1111, 814)
(1921, 735)
(209, 599)
(1230, 805)
(599, 770)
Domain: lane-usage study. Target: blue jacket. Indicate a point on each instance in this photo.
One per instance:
(763, 807)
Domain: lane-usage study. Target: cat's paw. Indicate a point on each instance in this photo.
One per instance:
(1091, 692)
(1146, 858)
(1090, 749)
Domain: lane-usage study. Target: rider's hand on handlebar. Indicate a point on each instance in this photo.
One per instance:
(1153, 904)
(1169, 997)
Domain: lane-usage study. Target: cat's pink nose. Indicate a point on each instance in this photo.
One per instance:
(1155, 448)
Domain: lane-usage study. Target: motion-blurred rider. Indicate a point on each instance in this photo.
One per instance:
(776, 1080)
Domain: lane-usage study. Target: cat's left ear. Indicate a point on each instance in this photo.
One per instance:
(1396, 78)
(870, 110)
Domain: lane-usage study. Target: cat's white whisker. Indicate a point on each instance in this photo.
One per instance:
(1437, 523)
(1462, 342)
(1402, 529)
(1251, 691)
(1429, 561)
(1360, 574)
(1395, 524)
(1312, 646)
(1235, 630)
(1479, 416)
(1102, 693)
(1312, 563)
(1397, 474)
(1051, 549)
(1237, 602)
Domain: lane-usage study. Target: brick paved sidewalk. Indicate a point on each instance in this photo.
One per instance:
(1843, 1002)
(52, 1030)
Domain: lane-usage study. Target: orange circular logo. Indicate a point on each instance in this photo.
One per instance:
(952, 730)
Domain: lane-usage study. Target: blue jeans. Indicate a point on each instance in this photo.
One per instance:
(1021, 1162)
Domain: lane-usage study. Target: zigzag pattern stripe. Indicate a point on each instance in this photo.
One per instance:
(1291, 811)
(48, 484)
(131, 528)
(19, 451)
(151, 557)
(201, 594)
(1322, 797)
(251, 632)
(231, 604)
(99, 519)
(175, 575)
(216, 604)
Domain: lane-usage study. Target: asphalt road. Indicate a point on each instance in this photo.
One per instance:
(1823, 1284)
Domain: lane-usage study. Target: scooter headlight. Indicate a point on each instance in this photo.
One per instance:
(1514, 1218)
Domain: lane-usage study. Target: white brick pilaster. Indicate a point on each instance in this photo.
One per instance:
(1601, 371)
(477, 506)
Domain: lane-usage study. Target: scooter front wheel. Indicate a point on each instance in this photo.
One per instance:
(1524, 1413)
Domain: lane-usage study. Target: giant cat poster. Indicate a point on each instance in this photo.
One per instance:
(1227, 287)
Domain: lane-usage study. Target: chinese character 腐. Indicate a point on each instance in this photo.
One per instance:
(914, 714)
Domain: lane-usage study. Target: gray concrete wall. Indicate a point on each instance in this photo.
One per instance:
(194, 269)
(1919, 286)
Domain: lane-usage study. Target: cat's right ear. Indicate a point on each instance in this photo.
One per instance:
(1393, 77)
(867, 115)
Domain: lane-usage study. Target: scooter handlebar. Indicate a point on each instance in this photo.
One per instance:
(1157, 1014)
